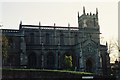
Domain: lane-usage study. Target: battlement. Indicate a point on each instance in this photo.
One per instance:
(47, 27)
(9, 31)
(88, 14)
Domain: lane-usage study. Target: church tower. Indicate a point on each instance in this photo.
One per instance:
(89, 51)
(89, 23)
(88, 19)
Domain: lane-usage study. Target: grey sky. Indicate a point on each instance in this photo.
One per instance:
(60, 13)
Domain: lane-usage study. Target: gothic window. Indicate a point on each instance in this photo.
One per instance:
(32, 38)
(84, 23)
(32, 60)
(59, 60)
(47, 38)
(61, 39)
(50, 60)
(11, 42)
(89, 23)
(40, 60)
(11, 60)
(76, 39)
(27, 38)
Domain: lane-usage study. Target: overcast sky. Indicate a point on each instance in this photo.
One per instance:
(60, 13)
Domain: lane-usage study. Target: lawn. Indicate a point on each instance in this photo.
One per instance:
(48, 70)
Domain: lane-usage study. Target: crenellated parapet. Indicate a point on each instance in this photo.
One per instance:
(9, 31)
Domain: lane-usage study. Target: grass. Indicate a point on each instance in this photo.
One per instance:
(48, 70)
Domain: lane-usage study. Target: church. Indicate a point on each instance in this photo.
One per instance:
(45, 47)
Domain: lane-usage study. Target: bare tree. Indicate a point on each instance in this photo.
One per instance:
(112, 46)
(113, 49)
(117, 44)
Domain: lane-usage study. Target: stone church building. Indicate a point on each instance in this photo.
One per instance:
(37, 46)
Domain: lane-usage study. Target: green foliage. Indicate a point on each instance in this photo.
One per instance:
(47, 70)
(68, 61)
(5, 47)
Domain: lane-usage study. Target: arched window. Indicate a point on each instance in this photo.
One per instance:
(32, 61)
(40, 60)
(59, 60)
(47, 38)
(10, 41)
(76, 39)
(32, 38)
(51, 60)
(62, 39)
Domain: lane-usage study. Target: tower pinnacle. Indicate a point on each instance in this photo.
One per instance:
(83, 10)
(106, 44)
(54, 24)
(68, 24)
(96, 11)
(20, 26)
(78, 14)
(20, 22)
(39, 23)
